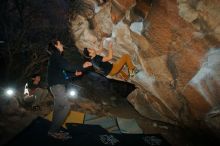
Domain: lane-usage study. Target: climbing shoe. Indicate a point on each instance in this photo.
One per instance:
(123, 76)
(132, 72)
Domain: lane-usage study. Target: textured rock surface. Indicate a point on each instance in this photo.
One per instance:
(204, 14)
(171, 51)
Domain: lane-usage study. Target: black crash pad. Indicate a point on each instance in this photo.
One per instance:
(82, 135)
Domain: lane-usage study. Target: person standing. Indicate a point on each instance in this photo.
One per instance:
(56, 81)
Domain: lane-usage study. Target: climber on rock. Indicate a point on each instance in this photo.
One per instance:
(102, 64)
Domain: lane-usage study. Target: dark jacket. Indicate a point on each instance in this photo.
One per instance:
(101, 67)
(56, 65)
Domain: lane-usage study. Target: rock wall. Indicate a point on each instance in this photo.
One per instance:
(204, 15)
(170, 45)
